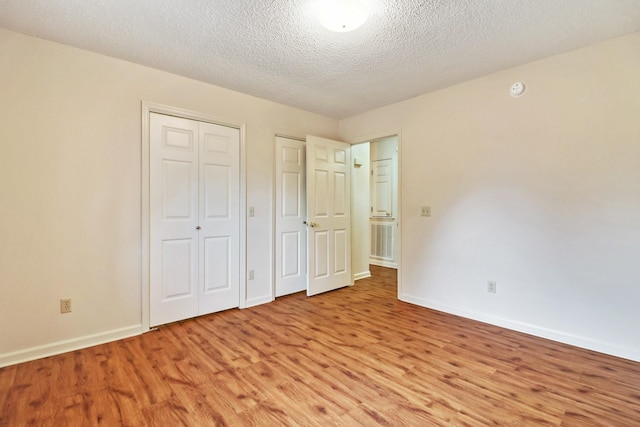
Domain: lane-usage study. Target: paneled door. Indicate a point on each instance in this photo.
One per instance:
(291, 211)
(328, 215)
(381, 188)
(194, 218)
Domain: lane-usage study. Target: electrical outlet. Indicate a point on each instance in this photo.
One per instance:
(425, 211)
(65, 305)
(251, 275)
(491, 287)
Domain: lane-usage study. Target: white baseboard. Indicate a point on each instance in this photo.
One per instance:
(380, 263)
(554, 335)
(257, 301)
(65, 346)
(362, 275)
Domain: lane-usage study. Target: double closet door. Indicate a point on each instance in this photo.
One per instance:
(194, 218)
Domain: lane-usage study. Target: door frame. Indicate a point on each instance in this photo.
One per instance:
(147, 109)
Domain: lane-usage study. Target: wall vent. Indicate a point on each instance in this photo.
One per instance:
(382, 241)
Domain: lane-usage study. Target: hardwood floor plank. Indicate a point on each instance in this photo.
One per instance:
(365, 415)
(203, 405)
(316, 382)
(355, 356)
(171, 412)
(75, 411)
(269, 413)
(7, 380)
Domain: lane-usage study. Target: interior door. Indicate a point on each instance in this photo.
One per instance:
(328, 215)
(173, 219)
(219, 219)
(381, 188)
(194, 218)
(291, 211)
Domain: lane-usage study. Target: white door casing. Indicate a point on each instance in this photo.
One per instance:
(193, 218)
(290, 212)
(328, 215)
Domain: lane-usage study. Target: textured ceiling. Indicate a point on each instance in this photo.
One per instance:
(276, 49)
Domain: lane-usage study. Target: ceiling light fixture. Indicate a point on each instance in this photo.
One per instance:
(342, 15)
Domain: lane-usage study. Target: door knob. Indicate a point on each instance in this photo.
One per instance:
(198, 227)
(311, 224)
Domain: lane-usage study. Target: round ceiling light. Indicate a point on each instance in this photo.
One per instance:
(342, 15)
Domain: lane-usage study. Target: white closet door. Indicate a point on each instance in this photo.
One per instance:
(219, 238)
(194, 218)
(291, 234)
(328, 215)
(173, 219)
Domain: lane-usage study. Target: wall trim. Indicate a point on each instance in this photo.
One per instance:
(550, 334)
(59, 347)
(258, 301)
(362, 275)
(381, 263)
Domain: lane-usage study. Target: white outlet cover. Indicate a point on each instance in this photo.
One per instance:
(517, 89)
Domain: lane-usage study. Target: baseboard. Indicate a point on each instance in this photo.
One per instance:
(379, 263)
(60, 347)
(362, 275)
(257, 301)
(554, 335)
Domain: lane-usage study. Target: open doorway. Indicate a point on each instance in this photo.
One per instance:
(375, 206)
(374, 227)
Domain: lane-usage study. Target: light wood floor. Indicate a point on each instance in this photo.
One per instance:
(355, 356)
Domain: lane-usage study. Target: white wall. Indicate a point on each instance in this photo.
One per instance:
(540, 194)
(70, 189)
(360, 246)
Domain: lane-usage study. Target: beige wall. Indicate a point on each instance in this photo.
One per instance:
(540, 194)
(360, 243)
(70, 191)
